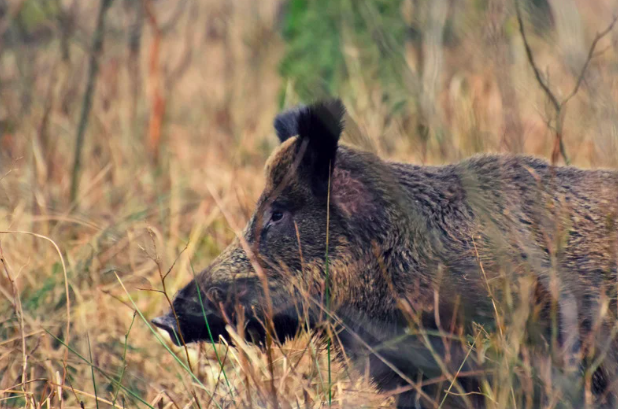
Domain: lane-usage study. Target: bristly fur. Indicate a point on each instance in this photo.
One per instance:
(322, 121)
(286, 123)
(417, 248)
(319, 128)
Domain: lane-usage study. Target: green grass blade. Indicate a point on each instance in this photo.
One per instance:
(101, 371)
(199, 296)
(94, 382)
(330, 389)
(156, 335)
(124, 360)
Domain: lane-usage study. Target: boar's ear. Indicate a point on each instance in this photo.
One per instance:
(319, 128)
(286, 123)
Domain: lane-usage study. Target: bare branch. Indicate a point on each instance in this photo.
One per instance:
(591, 55)
(95, 52)
(537, 72)
(174, 263)
(559, 148)
(152, 290)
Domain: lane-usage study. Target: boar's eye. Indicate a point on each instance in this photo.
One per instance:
(279, 222)
(276, 216)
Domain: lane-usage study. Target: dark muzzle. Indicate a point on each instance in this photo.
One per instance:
(169, 324)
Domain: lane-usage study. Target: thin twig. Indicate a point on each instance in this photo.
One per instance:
(221, 371)
(537, 72)
(559, 106)
(448, 391)
(164, 291)
(162, 276)
(591, 55)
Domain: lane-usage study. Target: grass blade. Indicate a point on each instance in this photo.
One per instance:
(154, 332)
(102, 372)
(212, 341)
(124, 359)
(94, 382)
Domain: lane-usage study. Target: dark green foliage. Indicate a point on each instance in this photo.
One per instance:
(317, 33)
(32, 301)
(32, 23)
(314, 63)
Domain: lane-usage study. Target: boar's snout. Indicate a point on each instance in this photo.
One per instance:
(193, 327)
(168, 323)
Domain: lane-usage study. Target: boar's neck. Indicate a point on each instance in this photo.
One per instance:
(418, 230)
(434, 223)
(423, 241)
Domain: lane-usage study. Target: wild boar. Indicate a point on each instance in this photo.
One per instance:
(397, 255)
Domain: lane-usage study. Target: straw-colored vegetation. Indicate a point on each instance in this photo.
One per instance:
(182, 107)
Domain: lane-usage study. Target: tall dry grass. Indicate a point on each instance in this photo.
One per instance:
(164, 130)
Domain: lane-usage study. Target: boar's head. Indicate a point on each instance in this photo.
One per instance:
(280, 258)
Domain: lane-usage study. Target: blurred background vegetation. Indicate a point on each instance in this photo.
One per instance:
(162, 103)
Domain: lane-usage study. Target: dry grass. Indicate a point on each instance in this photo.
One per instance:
(219, 86)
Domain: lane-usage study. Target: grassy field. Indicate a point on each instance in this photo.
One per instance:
(187, 111)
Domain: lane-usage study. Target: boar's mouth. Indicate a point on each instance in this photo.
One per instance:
(195, 328)
(207, 319)
(192, 328)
